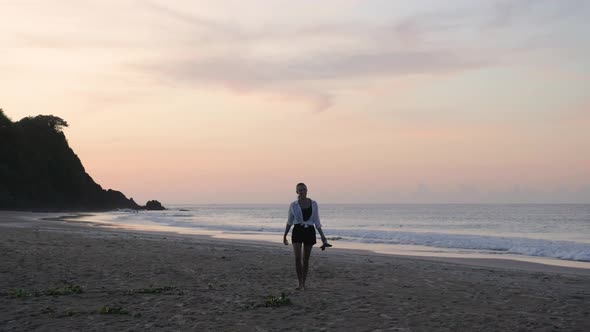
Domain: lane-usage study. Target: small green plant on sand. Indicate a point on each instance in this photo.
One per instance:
(69, 313)
(107, 310)
(18, 292)
(151, 290)
(274, 301)
(66, 290)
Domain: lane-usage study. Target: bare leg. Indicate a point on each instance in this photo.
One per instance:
(298, 268)
(306, 253)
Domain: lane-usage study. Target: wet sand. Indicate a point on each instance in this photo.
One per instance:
(116, 280)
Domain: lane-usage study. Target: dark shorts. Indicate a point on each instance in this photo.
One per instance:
(304, 235)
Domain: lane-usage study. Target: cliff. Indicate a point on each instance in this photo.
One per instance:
(39, 171)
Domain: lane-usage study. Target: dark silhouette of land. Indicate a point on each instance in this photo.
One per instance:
(40, 172)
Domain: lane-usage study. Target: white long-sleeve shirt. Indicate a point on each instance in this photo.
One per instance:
(296, 215)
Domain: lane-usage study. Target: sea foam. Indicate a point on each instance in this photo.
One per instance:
(567, 250)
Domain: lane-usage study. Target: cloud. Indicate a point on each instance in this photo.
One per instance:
(507, 13)
(287, 76)
(241, 69)
(264, 71)
(201, 23)
(317, 101)
(304, 58)
(434, 42)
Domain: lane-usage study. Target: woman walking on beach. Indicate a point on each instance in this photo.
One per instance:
(303, 216)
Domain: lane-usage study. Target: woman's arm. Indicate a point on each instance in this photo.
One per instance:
(287, 228)
(324, 240)
(290, 218)
(318, 224)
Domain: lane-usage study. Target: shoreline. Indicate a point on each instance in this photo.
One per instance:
(511, 261)
(167, 281)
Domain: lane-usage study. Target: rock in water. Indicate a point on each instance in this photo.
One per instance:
(154, 205)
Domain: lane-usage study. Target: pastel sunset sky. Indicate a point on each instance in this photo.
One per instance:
(367, 101)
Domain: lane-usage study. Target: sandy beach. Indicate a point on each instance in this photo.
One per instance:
(68, 276)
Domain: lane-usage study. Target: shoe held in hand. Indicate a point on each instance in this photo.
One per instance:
(325, 245)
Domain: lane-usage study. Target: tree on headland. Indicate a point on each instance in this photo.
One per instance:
(55, 123)
(4, 120)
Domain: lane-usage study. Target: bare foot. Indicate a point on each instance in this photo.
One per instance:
(300, 287)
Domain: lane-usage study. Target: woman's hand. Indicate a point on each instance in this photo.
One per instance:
(285, 241)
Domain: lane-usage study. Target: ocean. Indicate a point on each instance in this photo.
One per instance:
(545, 233)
